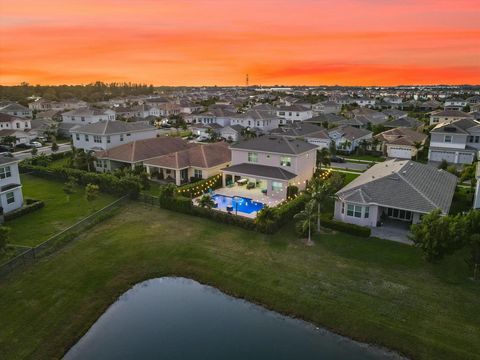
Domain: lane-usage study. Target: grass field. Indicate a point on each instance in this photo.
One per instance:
(369, 289)
(60, 210)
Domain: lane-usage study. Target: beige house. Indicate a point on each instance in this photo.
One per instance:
(269, 164)
(200, 161)
(402, 143)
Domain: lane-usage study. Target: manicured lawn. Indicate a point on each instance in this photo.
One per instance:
(60, 211)
(369, 289)
(364, 157)
(349, 177)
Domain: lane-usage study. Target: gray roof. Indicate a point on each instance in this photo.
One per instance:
(350, 132)
(7, 160)
(302, 129)
(451, 113)
(403, 184)
(113, 127)
(406, 122)
(275, 144)
(459, 126)
(264, 171)
(86, 111)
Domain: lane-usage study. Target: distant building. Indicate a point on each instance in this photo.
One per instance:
(11, 197)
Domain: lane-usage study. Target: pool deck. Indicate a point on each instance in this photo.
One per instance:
(253, 194)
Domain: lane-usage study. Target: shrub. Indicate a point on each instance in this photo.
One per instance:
(4, 234)
(30, 206)
(351, 229)
(292, 190)
(106, 182)
(91, 192)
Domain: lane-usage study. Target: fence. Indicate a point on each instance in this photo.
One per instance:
(67, 235)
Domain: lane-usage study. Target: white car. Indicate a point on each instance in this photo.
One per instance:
(36, 144)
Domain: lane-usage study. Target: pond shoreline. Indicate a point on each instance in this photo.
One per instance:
(391, 354)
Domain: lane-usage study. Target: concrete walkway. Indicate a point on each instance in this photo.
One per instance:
(392, 233)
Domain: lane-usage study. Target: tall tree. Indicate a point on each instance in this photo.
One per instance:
(304, 221)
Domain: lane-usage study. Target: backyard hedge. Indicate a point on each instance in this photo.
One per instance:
(30, 206)
(351, 229)
(106, 182)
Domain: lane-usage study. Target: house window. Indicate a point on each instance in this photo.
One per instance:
(108, 139)
(198, 173)
(121, 137)
(447, 138)
(343, 208)
(86, 138)
(277, 186)
(77, 136)
(129, 134)
(83, 118)
(367, 212)
(18, 125)
(97, 139)
(354, 210)
(252, 157)
(285, 161)
(10, 197)
(5, 172)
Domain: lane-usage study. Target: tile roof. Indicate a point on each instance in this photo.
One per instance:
(275, 144)
(403, 184)
(107, 127)
(264, 171)
(141, 150)
(201, 156)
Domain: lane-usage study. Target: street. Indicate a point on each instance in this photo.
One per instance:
(47, 150)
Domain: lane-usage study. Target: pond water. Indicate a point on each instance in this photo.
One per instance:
(177, 318)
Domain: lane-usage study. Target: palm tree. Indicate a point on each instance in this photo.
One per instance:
(319, 192)
(305, 218)
(266, 217)
(323, 157)
(417, 145)
(206, 201)
(346, 144)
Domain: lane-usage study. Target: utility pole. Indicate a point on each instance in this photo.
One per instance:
(246, 81)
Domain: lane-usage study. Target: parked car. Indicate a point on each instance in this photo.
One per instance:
(337, 159)
(36, 144)
(6, 154)
(24, 146)
(5, 148)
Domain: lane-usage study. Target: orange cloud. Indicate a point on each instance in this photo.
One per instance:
(206, 42)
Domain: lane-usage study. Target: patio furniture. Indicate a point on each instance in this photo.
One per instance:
(264, 191)
(242, 182)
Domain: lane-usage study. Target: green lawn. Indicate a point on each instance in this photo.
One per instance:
(369, 289)
(352, 158)
(60, 211)
(349, 177)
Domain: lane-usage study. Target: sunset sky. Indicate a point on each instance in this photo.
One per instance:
(217, 42)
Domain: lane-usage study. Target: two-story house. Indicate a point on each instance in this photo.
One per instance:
(270, 164)
(326, 107)
(441, 116)
(14, 122)
(365, 102)
(293, 113)
(455, 104)
(15, 109)
(455, 141)
(106, 134)
(254, 118)
(11, 197)
(87, 116)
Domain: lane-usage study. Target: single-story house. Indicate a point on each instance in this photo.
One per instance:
(401, 190)
(401, 142)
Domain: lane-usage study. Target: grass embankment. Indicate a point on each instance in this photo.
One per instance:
(369, 289)
(60, 210)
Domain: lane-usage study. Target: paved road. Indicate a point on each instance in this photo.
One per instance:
(47, 150)
(350, 166)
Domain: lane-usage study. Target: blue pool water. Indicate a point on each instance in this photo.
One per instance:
(238, 203)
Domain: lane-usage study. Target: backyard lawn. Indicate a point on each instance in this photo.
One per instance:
(60, 210)
(369, 289)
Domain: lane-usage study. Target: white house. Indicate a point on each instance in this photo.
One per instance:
(14, 122)
(270, 164)
(11, 197)
(401, 142)
(441, 116)
(348, 138)
(87, 116)
(455, 141)
(395, 190)
(365, 102)
(15, 109)
(293, 113)
(104, 135)
(455, 104)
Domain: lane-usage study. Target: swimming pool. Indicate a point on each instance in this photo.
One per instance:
(238, 203)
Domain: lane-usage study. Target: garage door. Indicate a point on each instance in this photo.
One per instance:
(399, 153)
(465, 158)
(441, 155)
